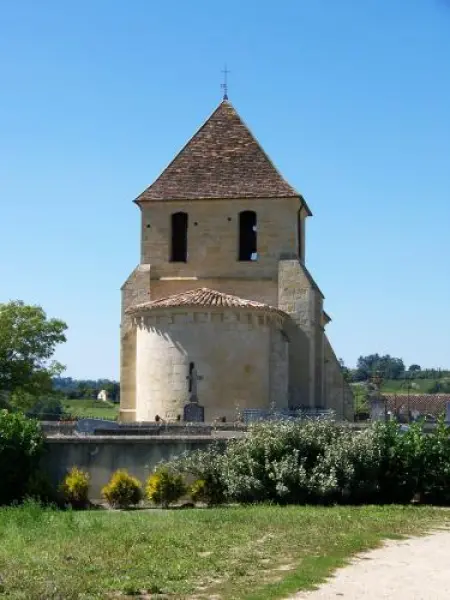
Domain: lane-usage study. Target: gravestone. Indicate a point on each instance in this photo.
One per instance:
(194, 413)
(377, 409)
(447, 412)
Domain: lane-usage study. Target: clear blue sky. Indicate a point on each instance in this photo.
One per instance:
(350, 99)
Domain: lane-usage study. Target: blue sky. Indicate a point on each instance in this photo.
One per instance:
(350, 99)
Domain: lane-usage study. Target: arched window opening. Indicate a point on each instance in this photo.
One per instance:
(247, 236)
(179, 237)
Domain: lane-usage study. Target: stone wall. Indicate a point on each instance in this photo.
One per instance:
(279, 369)
(232, 352)
(135, 290)
(337, 393)
(213, 237)
(299, 296)
(101, 456)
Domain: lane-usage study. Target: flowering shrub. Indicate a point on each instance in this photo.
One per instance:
(165, 486)
(207, 466)
(75, 488)
(123, 490)
(321, 462)
(198, 491)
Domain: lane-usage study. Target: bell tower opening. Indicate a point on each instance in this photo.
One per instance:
(248, 249)
(179, 230)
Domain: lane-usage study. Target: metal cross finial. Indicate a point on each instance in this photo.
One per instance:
(224, 85)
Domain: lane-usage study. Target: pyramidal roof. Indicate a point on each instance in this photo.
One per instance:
(203, 297)
(222, 160)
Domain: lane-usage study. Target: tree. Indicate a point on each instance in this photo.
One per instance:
(27, 343)
(346, 373)
(414, 368)
(388, 366)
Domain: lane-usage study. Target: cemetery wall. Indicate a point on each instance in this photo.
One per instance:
(101, 456)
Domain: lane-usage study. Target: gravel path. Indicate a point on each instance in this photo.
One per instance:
(413, 569)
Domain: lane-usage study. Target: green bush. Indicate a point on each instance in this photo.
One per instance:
(21, 447)
(165, 486)
(198, 491)
(40, 489)
(202, 491)
(207, 466)
(321, 462)
(75, 488)
(123, 490)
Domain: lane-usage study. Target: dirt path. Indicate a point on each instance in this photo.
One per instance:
(414, 569)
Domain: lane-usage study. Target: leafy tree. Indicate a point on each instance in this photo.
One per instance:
(21, 447)
(388, 366)
(113, 389)
(346, 372)
(414, 368)
(47, 409)
(86, 388)
(27, 343)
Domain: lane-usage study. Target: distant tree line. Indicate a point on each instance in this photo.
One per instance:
(390, 367)
(74, 389)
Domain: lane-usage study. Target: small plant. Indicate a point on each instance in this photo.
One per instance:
(40, 488)
(75, 488)
(123, 490)
(165, 486)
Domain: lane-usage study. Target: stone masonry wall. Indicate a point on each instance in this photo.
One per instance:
(213, 237)
(279, 369)
(337, 392)
(231, 351)
(102, 456)
(318, 348)
(136, 289)
(299, 296)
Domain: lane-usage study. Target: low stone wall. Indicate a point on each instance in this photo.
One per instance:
(102, 455)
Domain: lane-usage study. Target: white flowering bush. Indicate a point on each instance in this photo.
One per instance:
(207, 466)
(321, 462)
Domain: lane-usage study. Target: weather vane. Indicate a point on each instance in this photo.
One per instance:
(224, 85)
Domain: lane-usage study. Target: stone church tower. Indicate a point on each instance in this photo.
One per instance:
(222, 314)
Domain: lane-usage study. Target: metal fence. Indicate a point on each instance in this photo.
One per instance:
(253, 415)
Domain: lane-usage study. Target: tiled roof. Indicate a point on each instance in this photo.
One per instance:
(203, 297)
(433, 404)
(222, 160)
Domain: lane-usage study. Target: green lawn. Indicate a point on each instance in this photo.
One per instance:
(91, 408)
(258, 553)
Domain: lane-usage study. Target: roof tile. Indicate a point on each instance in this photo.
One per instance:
(222, 160)
(203, 297)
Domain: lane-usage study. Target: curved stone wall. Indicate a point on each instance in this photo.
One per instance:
(240, 355)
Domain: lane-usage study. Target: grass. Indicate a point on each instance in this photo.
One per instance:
(91, 408)
(398, 386)
(257, 553)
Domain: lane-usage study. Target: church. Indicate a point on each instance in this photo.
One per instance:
(222, 317)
